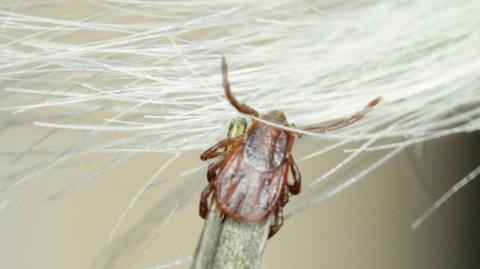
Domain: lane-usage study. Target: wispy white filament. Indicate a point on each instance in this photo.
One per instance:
(138, 194)
(460, 184)
(171, 264)
(143, 76)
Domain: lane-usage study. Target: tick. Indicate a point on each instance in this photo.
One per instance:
(249, 181)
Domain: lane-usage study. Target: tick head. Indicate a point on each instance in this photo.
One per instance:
(276, 116)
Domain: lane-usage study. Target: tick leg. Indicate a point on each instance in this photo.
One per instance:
(345, 122)
(203, 207)
(297, 177)
(213, 152)
(277, 222)
(212, 171)
(285, 197)
(226, 85)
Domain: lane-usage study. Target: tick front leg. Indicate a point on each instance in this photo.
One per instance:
(297, 177)
(203, 206)
(243, 108)
(345, 122)
(214, 151)
(277, 222)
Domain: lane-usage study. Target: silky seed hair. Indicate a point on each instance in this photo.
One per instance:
(110, 82)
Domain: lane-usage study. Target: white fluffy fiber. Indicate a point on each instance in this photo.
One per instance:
(149, 72)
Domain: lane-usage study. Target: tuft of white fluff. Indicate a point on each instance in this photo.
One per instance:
(144, 76)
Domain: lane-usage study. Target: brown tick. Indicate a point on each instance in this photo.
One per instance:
(250, 181)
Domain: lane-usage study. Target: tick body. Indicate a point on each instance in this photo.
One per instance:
(250, 181)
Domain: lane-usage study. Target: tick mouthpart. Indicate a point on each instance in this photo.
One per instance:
(275, 116)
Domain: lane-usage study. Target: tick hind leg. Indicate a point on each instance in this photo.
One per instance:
(278, 217)
(226, 85)
(345, 122)
(277, 221)
(297, 177)
(285, 198)
(211, 176)
(203, 206)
